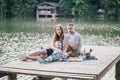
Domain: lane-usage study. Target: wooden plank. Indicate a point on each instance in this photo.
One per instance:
(89, 67)
(88, 70)
(71, 67)
(46, 73)
(109, 67)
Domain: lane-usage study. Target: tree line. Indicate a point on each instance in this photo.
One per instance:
(77, 8)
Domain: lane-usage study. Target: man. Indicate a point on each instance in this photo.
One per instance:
(74, 41)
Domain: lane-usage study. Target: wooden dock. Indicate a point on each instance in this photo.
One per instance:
(86, 70)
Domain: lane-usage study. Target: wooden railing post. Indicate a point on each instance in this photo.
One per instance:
(117, 71)
(12, 77)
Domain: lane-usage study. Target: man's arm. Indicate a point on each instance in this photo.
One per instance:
(73, 46)
(75, 43)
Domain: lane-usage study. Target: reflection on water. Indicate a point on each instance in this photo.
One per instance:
(24, 26)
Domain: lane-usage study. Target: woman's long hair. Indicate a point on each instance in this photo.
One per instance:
(56, 36)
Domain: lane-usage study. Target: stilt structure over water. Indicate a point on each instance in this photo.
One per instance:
(47, 11)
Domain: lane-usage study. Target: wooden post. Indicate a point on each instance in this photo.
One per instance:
(117, 71)
(12, 77)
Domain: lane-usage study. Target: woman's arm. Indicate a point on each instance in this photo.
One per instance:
(66, 46)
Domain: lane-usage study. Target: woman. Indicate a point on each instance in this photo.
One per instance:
(59, 36)
(44, 53)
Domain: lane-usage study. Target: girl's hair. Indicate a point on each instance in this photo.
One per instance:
(56, 36)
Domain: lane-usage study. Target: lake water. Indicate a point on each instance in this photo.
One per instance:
(25, 36)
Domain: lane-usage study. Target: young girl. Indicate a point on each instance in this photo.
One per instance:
(55, 56)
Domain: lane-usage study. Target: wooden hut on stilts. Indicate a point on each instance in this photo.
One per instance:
(47, 11)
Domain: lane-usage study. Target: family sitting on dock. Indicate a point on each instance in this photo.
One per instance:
(64, 47)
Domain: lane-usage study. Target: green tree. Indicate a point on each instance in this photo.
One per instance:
(24, 8)
(67, 7)
(3, 9)
(27, 8)
(9, 8)
(78, 7)
(111, 8)
(83, 8)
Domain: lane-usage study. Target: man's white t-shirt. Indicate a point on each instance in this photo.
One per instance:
(75, 39)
